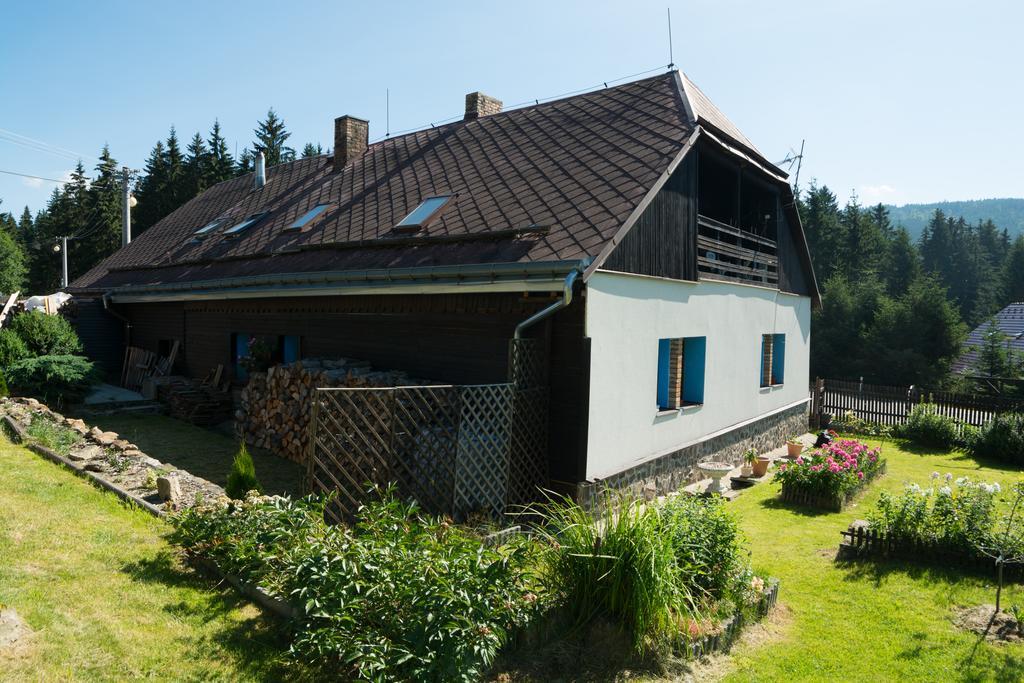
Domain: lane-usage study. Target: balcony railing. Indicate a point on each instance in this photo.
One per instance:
(728, 253)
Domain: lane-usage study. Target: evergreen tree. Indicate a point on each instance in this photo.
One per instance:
(26, 228)
(102, 236)
(311, 150)
(12, 264)
(865, 248)
(270, 137)
(245, 162)
(197, 167)
(152, 191)
(995, 356)
(177, 192)
(826, 237)
(1013, 273)
(222, 164)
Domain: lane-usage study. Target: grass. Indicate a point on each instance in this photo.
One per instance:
(103, 595)
(867, 621)
(57, 438)
(202, 452)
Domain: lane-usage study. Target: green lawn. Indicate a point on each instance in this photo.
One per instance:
(865, 621)
(202, 452)
(106, 601)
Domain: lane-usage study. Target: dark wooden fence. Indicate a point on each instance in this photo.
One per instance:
(890, 405)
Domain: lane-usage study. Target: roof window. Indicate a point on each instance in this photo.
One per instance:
(427, 211)
(208, 228)
(237, 229)
(308, 218)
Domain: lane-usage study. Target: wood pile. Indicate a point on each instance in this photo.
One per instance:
(206, 402)
(276, 406)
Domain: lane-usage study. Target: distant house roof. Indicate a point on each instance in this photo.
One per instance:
(552, 182)
(1010, 322)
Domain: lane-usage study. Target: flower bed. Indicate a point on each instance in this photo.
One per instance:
(830, 476)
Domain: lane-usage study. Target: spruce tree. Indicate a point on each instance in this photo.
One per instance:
(1013, 273)
(904, 263)
(177, 192)
(222, 164)
(270, 137)
(197, 162)
(311, 150)
(102, 236)
(12, 264)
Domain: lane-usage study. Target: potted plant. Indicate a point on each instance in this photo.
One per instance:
(760, 465)
(794, 447)
(749, 458)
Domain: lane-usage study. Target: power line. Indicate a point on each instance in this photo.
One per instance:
(35, 177)
(41, 146)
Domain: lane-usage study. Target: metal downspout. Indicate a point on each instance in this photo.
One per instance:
(566, 299)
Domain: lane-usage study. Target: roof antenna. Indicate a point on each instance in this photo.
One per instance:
(797, 159)
(671, 58)
(387, 112)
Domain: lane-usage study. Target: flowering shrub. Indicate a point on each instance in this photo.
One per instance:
(956, 514)
(835, 470)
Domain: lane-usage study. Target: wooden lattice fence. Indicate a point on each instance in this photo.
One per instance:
(455, 449)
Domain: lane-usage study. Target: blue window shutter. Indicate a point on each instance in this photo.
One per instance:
(664, 354)
(241, 351)
(693, 369)
(760, 366)
(290, 352)
(779, 359)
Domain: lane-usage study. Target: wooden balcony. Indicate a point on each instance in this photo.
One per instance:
(728, 253)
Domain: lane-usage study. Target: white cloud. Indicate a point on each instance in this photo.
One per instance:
(872, 194)
(32, 182)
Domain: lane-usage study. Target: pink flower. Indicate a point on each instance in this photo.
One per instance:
(800, 460)
(860, 475)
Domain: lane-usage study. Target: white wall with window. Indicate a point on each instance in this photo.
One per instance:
(673, 363)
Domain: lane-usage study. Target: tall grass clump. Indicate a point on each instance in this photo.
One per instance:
(618, 565)
(57, 438)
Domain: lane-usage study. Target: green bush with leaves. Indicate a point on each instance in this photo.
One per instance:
(706, 544)
(4, 390)
(242, 477)
(46, 335)
(12, 348)
(1001, 438)
(59, 379)
(397, 596)
(927, 427)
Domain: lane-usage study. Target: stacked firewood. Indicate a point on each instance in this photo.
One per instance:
(276, 405)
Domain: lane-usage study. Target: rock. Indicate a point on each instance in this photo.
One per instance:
(12, 628)
(79, 426)
(95, 432)
(168, 487)
(132, 452)
(106, 438)
(93, 466)
(121, 445)
(86, 452)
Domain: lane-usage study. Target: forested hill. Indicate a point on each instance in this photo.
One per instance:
(1006, 213)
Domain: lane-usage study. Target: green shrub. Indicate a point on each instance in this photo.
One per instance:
(4, 391)
(57, 438)
(12, 348)
(927, 427)
(59, 379)
(1002, 438)
(242, 477)
(706, 543)
(46, 335)
(397, 596)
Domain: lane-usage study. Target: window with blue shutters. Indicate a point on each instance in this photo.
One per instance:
(681, 364)
(773, 359)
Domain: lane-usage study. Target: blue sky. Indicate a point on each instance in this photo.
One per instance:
(899, 101)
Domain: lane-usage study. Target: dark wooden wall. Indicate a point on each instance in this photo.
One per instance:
(792, 267)
(102, 334)
(663, 241)
(569, 374)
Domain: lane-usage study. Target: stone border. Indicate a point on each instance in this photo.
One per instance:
(262, 598)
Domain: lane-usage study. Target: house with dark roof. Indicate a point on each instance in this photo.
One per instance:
(634, 231)
(1009, 322)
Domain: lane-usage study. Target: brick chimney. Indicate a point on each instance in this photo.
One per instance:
(351, 138)
(479, 104)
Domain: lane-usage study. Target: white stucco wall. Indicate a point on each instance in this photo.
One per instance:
(626, 315)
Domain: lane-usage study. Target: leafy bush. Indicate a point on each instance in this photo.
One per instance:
(46, 335)
(398, 596)
(835, 470)
(4, 391)
(12, 348)
(62, 379)
(242, 477)
(57, 438)
(1002, 437)
(958, 515)
(706, 543)
(927, 427)
(620, 566)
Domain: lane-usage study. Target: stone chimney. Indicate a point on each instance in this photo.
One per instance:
(479, 104)
(351, 138)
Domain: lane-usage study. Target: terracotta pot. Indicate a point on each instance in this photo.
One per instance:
(761, 466)
(794, 450)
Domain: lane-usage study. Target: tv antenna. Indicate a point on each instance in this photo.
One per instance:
(387, 112)
(671, 58)
(791, 159)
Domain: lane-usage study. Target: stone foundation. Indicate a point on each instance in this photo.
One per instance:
(675, 470)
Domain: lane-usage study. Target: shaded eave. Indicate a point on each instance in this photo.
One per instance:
(542, 276)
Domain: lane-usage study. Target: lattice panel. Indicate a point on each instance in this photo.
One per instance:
(527, 362)
(485, 430)
(424, 445)
(528, 456)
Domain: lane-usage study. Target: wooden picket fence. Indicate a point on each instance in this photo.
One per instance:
(732, 627)
(891, 405)
(860, 540)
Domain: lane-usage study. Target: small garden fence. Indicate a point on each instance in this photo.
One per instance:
(891, 405)
(860, 540)
(455, 449)
(797, 495)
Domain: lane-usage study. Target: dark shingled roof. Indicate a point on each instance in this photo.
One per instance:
(1010, 322)
(577, 167)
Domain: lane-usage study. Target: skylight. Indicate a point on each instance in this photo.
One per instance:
(247, 223)
(208, 228)
(422, 214)
(308, 217)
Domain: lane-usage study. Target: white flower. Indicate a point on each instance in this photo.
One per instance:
(914, 488)
(961, 481)
(996, 488)
(935, 475)
(945, 491)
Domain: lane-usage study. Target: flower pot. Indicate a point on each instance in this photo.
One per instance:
(793, 450)
(746, 470)
(761, 466)
(716, 471)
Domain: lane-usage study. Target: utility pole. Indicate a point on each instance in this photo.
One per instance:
(126, 206)
(64, 262)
